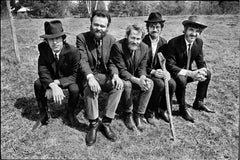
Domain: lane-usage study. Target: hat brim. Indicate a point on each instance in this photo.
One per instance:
(188, 22)
(155, 21)
(48, 36)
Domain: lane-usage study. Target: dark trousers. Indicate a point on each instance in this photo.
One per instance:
(91, 101)
(158, 98)
(142, 99)
(182, 82)
(39, 90)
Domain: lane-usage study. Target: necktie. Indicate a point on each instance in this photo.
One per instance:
(56, 57)
(188, 55)
(133, 60)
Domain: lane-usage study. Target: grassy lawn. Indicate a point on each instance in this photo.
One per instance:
(212, 136)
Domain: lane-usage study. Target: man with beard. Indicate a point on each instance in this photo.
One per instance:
(58, 64)
(100, 74)
(130, 56)
(157, 44)
(181, 52)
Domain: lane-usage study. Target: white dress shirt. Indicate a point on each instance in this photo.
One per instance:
(183, 72)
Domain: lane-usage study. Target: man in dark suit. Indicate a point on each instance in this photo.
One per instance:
(156, 44)
(58, 64)
(130, 56)
(99, 74)
(181, 52)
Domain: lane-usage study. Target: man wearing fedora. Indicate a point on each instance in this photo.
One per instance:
(100, 74)
(181, 52)
(58, 64)
(156, 44)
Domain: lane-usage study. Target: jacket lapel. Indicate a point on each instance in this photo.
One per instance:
(62, 56)
(183, 50)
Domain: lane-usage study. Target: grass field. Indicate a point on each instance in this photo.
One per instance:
(212, 136)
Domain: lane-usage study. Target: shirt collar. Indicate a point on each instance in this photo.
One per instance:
(187, 43)
(154, 40)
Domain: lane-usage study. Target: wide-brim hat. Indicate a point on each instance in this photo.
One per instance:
(194, 21)
(53, 29)
(155, 17)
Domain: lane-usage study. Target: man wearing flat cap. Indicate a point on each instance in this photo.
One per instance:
(181, 52)
(58, 64)
(157, 45)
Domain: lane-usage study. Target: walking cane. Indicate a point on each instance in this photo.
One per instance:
(162, 61)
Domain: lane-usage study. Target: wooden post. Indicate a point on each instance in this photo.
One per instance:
(13, 31)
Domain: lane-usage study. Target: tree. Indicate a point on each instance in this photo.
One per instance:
(116, 7)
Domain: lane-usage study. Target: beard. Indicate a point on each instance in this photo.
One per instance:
(98, 34)
(133, 46)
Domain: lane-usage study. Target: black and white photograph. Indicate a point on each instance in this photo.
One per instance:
(120, 80)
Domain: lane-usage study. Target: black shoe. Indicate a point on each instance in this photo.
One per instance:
(107, 132)
(186, 115)
(164, 115)
(44, 118)
(151, 120)
(70, 119)
(138, 121)
(91, 136)
(198, 105)
(128, 120)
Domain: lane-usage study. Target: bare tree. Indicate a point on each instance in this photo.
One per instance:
(13, 30)
(90, 6)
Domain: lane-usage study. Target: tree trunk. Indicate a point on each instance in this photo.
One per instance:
(13, 31)
(89, 7)
(96, 4)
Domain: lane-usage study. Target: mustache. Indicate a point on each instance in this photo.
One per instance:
(191, 35)
(154, 32)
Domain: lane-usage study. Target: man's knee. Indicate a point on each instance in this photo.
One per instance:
(181, 81)
(172, 85)
(208, 75)
(73, 89)
(158, 84)
(37, 84)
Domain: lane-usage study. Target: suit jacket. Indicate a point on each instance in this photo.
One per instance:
(121, 57)
(65, 72)
(153, 62)
(88, 51)
(177, 54)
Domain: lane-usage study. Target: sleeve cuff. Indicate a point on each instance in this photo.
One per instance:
(90, 75)
(183, 72)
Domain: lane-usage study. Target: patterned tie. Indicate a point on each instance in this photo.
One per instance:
(189, 56)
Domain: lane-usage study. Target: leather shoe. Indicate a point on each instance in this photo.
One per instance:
(186, 115)
(91, 136)
(138, 121)
(71, 119)
(44, 118)
(152, 121)
(107, 132)
(129, 121)
(198, 105)
(164, 115)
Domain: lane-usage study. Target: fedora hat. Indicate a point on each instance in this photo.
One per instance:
(155, 17)
(53, 29)
(194, 21)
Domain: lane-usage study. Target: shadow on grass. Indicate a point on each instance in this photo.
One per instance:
(30, 111)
